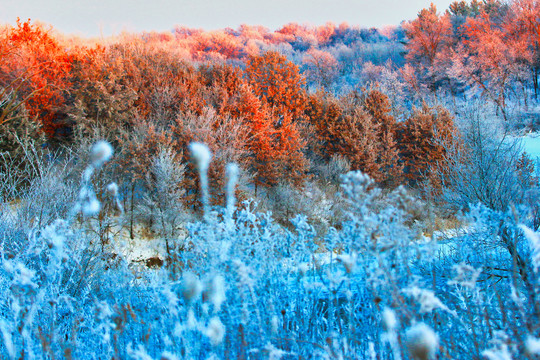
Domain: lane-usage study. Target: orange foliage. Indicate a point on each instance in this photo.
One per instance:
(216, 44)
(36, 66)
(427, 34)
(423, 138)
(490, 58)
(142, 92)
(359, 128)
(278, 82)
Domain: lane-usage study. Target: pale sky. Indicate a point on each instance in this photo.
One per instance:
(107, 17)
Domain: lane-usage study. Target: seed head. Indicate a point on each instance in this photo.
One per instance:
(201, 154)
(214, 291)
(100, 153)
(421, 341)
(532, 346)
(112, 189)
(389, 320)
(215, 331)
(191, 287)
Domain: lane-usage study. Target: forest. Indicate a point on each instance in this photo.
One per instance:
(310, 192)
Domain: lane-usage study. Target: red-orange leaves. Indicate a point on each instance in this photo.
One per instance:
(278, 82)
(276, 142)
(423, 140)
(427, 34)
(36, 67)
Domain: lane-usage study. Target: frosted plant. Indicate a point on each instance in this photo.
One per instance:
(215, 331)
(501, 353)
(371, 351)
(390, 324)
(252, 288)
(202, 156)
(191, 287)
(161, 208)
(426, 298)
(534, 245)
(532, 346)
(112, 190)
(100, 153)
(214, 291)
(466, 275)
(55, 235)
(169, 356)
(88, 204)
(7, 330)
(274, 325)
(172, 300)
(232, 171)
(274, 353)
(389, 320)
(348, 261)
(421, 341)
(139, 353)
(22, 276)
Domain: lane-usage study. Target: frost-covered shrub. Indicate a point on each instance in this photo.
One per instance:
(483, 166)
(285, 201)
(162, 208)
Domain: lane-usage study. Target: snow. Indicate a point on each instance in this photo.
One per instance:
(141, 248)
(531, 145)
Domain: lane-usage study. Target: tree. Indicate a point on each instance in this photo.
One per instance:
(321, 67)
(101, 98)
(359, 128)
(423, 138)
(276, 149)
(276, 141)
(428, 34)
(525, 23)
(139, 147)
(323, 110)
(490, 59)
(378, 106)
(227, 139)
(277, 82)
(163, 206)
(430, 38)
(485, 166)
(34, 67)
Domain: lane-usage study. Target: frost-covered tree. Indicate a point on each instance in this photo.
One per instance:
(163, 206)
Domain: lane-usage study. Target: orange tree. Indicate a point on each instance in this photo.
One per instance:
(423, 139)
(358, 127)
(278, 83)
(35, 67)
(430, 39)
(276, 141)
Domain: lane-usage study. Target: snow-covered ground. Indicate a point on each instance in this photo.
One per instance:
(531, 145)
(143, 247)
